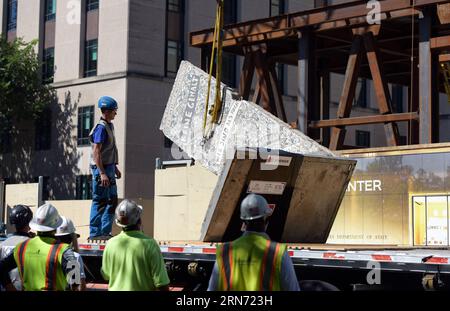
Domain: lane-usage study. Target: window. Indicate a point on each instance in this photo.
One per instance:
(84, 187)
(174, 36)
(45, 186)
(50, 10)
(92, 5)
(277, 7)
(12, 15)
(85, 124)
(90, 58)
(174, 6)
(363, 139)
(230, 12)
(430, 220)
(229, 69)
(43, 131)
(173, 59)
(48, 66)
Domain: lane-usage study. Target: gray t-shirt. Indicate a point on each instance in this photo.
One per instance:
(6, 248)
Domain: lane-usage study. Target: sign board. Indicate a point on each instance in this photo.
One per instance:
(266, 187)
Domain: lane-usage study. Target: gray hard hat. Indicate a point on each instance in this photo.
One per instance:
(67, 228)
(254, 206)
(128, 213)
(46, 219)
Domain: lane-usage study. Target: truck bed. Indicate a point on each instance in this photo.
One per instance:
(346, 267)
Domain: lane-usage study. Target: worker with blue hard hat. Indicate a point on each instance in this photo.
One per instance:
(105, 159)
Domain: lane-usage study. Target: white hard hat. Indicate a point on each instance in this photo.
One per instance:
(46, 219)
(128, 213)
(67, 227)
(254, 206)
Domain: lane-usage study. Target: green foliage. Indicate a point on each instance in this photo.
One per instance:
(22, 94)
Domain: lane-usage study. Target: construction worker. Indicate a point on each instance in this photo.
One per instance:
(66, 233)
(20, 216)
(253, 262)
(43, 262)
(133, 261)
(104, 171)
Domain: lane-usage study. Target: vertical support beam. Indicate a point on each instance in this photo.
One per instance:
(248, 70)
(256, 95)
(381, 88)
(413, 125)
(2, 201)
(275, 86)
(348, 92)
(304, 79)
(314, 91)
(262, 72)
(428, 124)
(324, 101)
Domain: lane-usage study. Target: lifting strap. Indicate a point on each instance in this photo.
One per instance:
(216, 56)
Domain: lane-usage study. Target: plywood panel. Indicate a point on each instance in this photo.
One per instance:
(171, 218)
(78, 212)
(181, 200)
(26, 194)
(171, 182)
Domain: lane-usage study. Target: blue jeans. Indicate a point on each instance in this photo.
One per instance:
(104, 202)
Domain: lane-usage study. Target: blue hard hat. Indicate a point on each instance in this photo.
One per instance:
(107, 102)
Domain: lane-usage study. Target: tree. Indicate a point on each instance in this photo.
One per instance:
(23, 96)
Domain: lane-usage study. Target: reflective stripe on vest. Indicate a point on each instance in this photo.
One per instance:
(267, 269)
(227, 260)
(52, 263)
(21, 255)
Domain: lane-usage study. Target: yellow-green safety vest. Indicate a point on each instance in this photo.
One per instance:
(250, 263)
(39, 261)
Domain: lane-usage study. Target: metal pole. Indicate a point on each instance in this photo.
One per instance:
(41, 191)
(304, 59)
(2, 201)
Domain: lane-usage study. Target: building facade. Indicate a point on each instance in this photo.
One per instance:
(130, 50)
